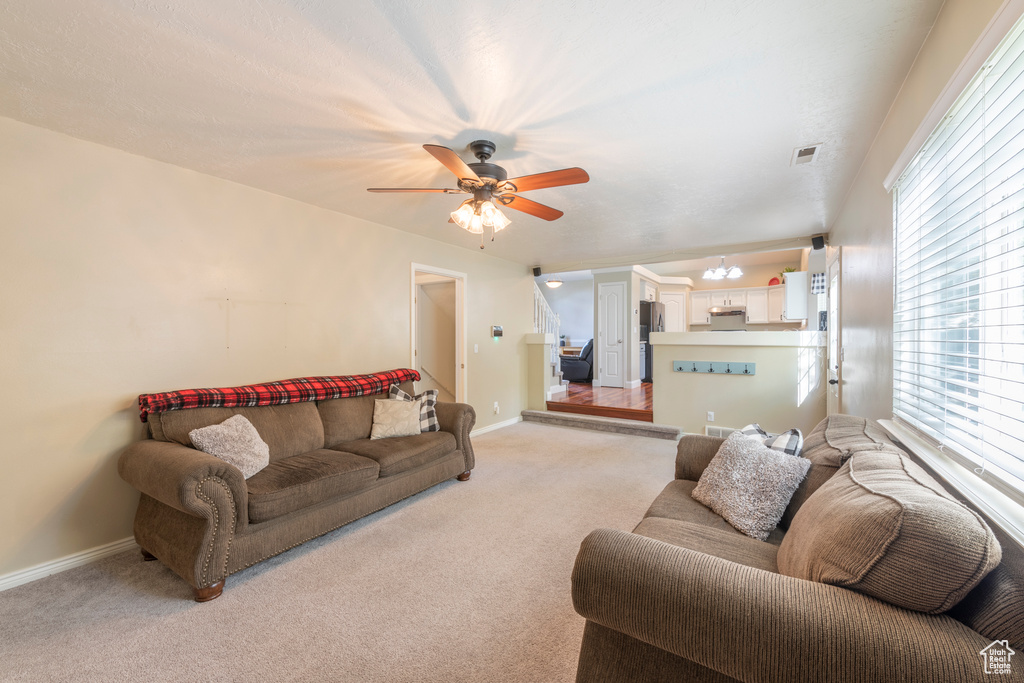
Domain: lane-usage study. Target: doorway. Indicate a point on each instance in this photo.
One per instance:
(438, 329)
(834, 400)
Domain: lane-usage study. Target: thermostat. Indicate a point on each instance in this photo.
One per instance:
(495, 331)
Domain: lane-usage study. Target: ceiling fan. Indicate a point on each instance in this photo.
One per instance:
(490, 185)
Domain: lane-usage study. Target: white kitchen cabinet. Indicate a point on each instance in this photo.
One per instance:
(757, 305)
(700, 302)
(650, 291)
(796, 295)
(736, 297)
(675, 310)
(776, 304)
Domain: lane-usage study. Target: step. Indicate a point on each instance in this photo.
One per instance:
(602, 424)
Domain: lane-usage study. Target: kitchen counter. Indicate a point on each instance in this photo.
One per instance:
(801, 339)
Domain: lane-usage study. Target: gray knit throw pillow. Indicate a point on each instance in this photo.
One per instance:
(234, 441)
(750, 485)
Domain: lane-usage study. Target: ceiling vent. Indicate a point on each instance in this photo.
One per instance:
(805, 155)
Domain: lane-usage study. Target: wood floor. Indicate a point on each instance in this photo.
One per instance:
(627, 404)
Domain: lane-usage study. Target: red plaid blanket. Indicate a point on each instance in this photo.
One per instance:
(274, 393)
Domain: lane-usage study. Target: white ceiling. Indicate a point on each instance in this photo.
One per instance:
(685, 113)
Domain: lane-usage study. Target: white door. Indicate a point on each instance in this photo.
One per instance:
(675, 311)
(757, 305)
(700, 302)
(611, 333)
(834, 402)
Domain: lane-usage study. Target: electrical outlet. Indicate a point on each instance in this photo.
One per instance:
(496, 408)
(711, 416)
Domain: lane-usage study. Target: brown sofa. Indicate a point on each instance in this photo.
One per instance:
(202, 519)
(685, 597)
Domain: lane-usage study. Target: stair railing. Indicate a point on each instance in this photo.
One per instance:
(545, 320)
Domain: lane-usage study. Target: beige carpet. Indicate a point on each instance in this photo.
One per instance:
(464, 582)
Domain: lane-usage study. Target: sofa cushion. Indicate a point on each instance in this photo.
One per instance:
(884, 527)
(676, 502)
(749, 484)
(302, 480)
(234, 441)
(289, 429)
(349, 419)
(402, 453)
(711, 541)
(828, 446)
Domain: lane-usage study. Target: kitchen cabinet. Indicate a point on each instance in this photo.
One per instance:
(796, 295)
(757, 305)
(700, 302)
(776, 304)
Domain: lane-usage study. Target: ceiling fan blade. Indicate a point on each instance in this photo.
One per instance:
(412, 189)
(533, 208)
(567, 176)
(452, 162)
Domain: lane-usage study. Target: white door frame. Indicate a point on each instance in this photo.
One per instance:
(461, 280)
(601, 376)
(834, 358)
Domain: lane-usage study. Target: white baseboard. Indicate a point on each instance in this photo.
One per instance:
(491, 428)
(64, 563)
(557, 389)
(635, 383)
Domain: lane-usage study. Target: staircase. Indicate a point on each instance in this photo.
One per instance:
(546, 321)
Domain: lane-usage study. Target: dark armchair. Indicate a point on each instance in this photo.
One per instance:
(580, 369)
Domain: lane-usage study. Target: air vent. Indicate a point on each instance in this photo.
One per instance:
(720, 432)
(805, 155)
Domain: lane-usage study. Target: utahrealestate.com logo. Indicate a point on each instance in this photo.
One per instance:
(997, 657)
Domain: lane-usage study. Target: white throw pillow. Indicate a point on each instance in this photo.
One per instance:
(749, 484)
(234, 441)
(395, 418)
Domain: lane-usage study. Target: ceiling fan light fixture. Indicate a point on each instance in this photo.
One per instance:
(463, 215)
(493, 217)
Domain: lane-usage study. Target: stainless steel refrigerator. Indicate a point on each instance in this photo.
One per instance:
(652, 319)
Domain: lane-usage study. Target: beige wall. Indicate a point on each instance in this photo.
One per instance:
(786, 391)
(122, 275)
(756, 275)
(864, 225)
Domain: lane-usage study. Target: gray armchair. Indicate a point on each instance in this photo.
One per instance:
(580, 369)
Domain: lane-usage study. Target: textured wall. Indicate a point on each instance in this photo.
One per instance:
(864, 226)
(123, 275)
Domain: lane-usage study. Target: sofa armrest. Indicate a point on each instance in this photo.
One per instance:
(174, 474)
(693, 454)
(458, 418)
(760, 626)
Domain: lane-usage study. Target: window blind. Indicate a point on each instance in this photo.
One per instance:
(958, 314)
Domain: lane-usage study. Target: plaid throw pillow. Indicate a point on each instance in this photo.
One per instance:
(791, 442)
(428, 415)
